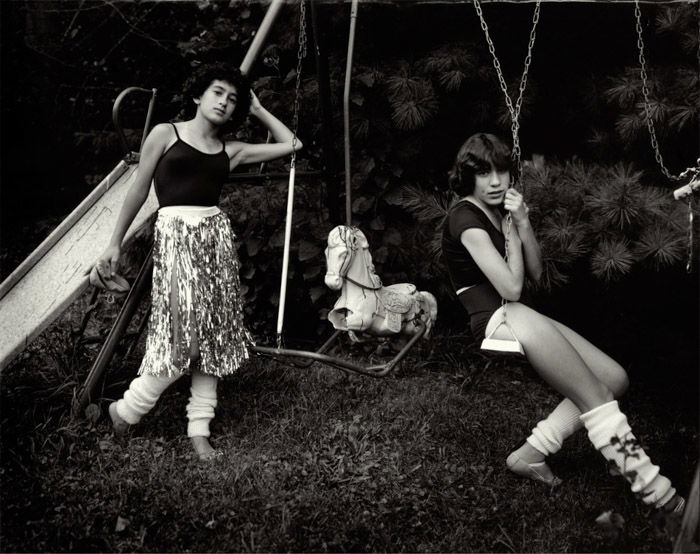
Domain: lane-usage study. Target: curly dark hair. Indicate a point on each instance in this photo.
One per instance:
(478, 153)
(199, 82)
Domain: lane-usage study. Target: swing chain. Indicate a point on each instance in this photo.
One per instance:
(301, 54)
(646, 94)
(513, 110)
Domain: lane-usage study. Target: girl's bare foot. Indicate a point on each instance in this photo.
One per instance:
(205, 451)
(118, 424)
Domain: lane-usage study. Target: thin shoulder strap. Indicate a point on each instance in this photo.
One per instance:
(176, 133)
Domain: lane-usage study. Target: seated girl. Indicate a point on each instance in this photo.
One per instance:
(474, 245)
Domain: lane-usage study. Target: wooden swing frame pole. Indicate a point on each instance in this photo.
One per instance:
(346, 114)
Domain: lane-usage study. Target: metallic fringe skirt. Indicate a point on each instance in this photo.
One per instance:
(196, 293)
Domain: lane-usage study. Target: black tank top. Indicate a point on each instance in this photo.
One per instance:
(185, 176)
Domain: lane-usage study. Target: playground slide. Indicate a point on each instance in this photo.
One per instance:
(56, 273)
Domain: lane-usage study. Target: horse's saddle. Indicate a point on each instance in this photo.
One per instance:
(397, 300)
(393, 303)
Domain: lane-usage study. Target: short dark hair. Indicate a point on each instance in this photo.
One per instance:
(204, 76)
(478, 153)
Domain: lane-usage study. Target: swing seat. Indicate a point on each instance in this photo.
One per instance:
(503, 345)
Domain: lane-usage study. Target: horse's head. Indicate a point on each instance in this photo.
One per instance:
(338, 256)
(348, 253)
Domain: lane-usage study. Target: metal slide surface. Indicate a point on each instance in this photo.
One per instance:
(56, 273)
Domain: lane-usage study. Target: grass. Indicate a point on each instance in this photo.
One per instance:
(316, 460)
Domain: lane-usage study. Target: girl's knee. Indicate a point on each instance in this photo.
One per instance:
(619, 383)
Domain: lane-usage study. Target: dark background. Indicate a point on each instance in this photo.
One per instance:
(63, 64)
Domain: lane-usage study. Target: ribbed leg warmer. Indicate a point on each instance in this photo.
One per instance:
(549, 434)
(200, 409)
(142, 395)
(611, 434)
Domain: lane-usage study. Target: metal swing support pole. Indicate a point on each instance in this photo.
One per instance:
(329, 157)
(87, 391)
(346, 113)
(132, 157)
(261, 35)
(320, 355)
(379, 370)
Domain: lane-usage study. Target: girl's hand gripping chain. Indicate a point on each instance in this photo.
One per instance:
(515, 204)
(255, 105)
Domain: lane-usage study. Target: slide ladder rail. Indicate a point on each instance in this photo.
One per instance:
(129, 156)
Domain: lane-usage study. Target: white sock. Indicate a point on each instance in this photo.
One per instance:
(200, 409)
(611, 434)
(549, 434)
(142, 395)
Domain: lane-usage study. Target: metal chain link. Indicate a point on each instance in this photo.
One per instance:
(689, 264)
(645, 93)
(652, 132)
(301, 54)
(513, 110)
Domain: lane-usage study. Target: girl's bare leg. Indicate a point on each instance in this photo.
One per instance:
(549, 434)
(603, 366)
(200, 409)
(552, 356)
(559, 363)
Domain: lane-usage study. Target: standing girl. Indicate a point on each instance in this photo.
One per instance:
(474, 246)
(196, 324)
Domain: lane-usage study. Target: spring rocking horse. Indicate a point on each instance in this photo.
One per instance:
(364, 304)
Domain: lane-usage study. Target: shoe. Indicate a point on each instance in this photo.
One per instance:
(118, 424)
(537, 471)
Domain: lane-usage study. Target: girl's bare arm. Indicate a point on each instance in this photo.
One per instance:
(152, 150)
(532, 253)
(245, 153)
(507, 278)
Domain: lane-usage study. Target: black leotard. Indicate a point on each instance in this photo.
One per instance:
(481, 300)
(185, 176)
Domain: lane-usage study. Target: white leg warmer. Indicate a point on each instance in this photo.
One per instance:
(142, 395)
(550, 433)
(611, 434)
(200, 409)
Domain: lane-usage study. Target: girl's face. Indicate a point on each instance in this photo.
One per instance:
(490, 186)
(218, 102)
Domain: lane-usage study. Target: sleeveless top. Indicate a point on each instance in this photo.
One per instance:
(186, 176)
(463, 270)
